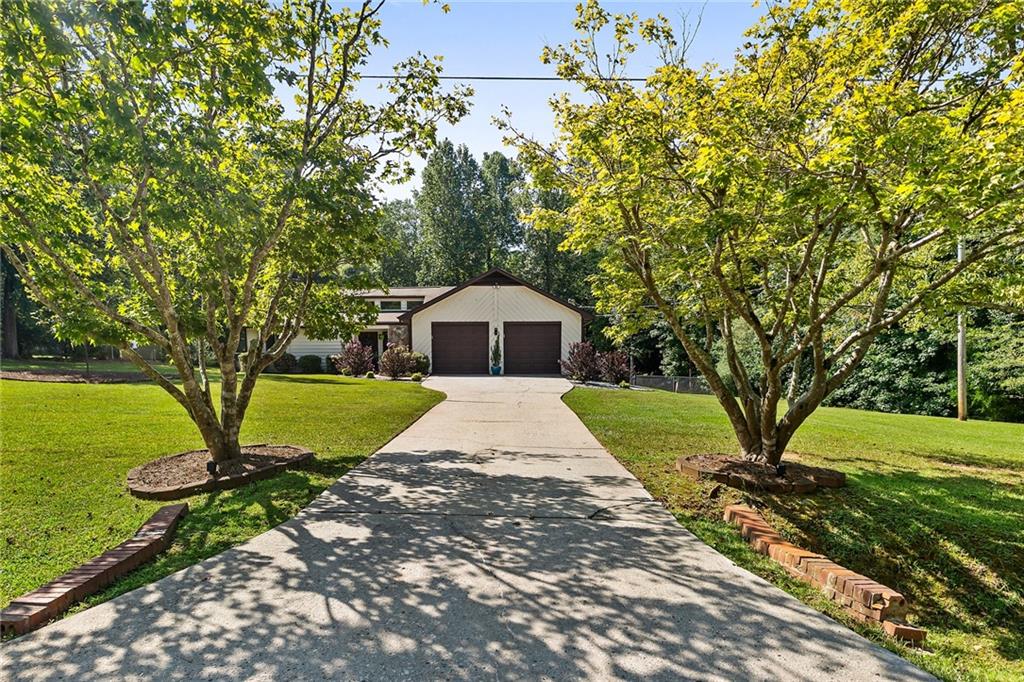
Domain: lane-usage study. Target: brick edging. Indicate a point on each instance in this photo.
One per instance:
(145, 492)
(861, 597)
(42, 605)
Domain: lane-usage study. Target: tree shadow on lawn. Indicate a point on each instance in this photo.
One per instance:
(958, 458)
(220, 520)
(953, 545)
(355, 595)
(333, 379)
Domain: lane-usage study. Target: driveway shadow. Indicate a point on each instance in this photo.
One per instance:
(358, 589)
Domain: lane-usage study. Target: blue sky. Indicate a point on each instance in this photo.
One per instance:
(483, 37)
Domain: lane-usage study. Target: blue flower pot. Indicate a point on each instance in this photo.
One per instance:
(495, 371)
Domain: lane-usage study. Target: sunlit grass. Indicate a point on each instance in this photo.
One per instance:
(933, 508)
(66, 449)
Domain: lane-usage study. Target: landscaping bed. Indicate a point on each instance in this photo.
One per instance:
(67, 448)
(933, 508)
(748, 475)
(78, 371)
(181, 475)
(72, 376)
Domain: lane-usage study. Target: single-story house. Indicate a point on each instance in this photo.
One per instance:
(455, 326)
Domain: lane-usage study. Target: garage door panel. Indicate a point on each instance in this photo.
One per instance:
(459, 347)
(532, 347)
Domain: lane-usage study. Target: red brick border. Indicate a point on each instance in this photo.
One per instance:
(40, 606)
(861, 597)
(145, 492)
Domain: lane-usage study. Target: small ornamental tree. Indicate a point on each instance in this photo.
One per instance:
(396, 361)
(355, 357)
(496, 351)
(154, 189)
(808, 198)
(581, 362)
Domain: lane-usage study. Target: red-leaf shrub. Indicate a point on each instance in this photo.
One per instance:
(613, 366)
(396, 361)
(581, 364)
(355, 357)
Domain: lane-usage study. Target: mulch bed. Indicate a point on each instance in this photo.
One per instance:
(71, 376)
(747, 475)
(184, 474)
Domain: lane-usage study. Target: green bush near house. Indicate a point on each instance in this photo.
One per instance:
(286, 364)
(64, 498)
(310, 364)
(420, 363)
(934, 508)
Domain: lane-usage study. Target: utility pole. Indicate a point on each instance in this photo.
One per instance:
(961, 352)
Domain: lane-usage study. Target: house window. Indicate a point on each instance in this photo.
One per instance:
(409, 305)
(390, 305)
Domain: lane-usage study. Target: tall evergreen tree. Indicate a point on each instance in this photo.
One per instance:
(400, 264)
(449, 203)
(541, 259)
(501, 224)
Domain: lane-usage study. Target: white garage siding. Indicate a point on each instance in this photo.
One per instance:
(496, 305)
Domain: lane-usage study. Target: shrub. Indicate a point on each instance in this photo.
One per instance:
(285, 364)
(613, 366)
(310, 364)
(581, 364)
(623, 384)
(355, 357)
(346, 371)
(420, 363)
(416, 376)
(496, 351)
(370, 375)
(396, 361)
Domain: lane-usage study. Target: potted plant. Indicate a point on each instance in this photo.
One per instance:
(496, 355)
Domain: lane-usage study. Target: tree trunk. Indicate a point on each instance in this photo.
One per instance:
(793, 390)
(10, 325)
(222, 443)
(10, 321)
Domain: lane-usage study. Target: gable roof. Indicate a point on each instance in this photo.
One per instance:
(495, 276)
(426, 293)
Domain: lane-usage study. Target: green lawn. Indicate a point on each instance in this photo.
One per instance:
(95, 366)
(933, 508)
(66, 449)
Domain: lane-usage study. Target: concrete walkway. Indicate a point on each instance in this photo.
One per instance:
(494, 539)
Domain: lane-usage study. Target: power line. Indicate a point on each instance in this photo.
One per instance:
(505, 78)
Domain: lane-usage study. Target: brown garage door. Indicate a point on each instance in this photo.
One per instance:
(459, 347)
(532, 347)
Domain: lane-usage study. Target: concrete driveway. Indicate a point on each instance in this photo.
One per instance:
(495, 538)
